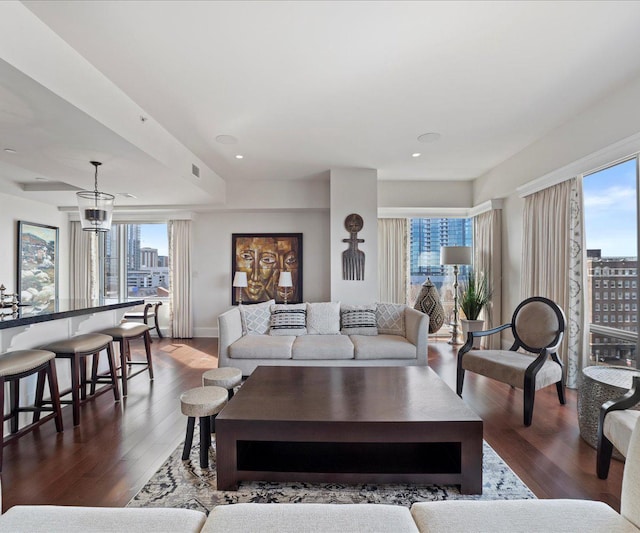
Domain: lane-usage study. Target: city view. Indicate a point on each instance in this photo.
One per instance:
(610, 214)
(140, 252)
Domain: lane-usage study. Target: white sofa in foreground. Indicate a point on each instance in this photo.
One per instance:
(322, 334)
(453, 516)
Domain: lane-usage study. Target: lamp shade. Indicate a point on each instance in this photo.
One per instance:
(240, 279)
(455, 255)
(285, 280)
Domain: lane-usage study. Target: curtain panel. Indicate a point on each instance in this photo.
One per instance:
(553, 264)
(180, 305)
(83, 267)
(487, 247)
(393, 264)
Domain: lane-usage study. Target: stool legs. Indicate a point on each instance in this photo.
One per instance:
(205, 439)
(125, 360)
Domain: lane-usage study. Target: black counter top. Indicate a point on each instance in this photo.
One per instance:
(57, 309)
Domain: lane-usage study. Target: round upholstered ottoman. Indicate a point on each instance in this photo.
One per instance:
(226, 377)
(202, 403)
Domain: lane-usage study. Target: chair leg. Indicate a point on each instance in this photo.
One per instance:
(52, 378)
(603, 460)
(459, 381)
(560, 388)
(14, 402)
(186, 451)
(94, 372)
(123, 366)
(230, 395)
(1, 425)
(529, 397)
(147, 349)
(113, 371)
(75, 388)
(83, 378)
(39, 395)
(205, 440)
(157, 326)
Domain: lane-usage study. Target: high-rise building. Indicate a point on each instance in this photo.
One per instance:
(133, 246)
(148, 257)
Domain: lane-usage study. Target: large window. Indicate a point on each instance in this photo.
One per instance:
(428, 235)
(135, 262)
(611, 220)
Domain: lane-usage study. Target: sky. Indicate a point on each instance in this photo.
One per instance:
(610, 210)
(154, 236)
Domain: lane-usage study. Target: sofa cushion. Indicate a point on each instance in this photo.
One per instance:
(508, 516)
(288, 319)
(323, 347)
(67, 519)
(261, 347)
(307, 517)
(618, 426)
(358, 320)
(390, 318)
(255, 317)
(382, 347)
(323, 318)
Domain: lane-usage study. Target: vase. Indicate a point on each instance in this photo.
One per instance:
(472, 325)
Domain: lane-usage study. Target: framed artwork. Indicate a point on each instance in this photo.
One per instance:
(263, 256)
(37, 267)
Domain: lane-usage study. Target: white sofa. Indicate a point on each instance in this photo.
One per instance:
(246, 351)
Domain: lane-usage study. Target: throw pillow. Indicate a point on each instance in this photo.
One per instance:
(323, 318)
(390, 318)
(255, 318)
(358, 320)
(290, 319)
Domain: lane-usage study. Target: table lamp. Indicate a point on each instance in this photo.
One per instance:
(240, 281)
(286, 282)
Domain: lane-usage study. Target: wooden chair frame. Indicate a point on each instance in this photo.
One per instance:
(145, 316)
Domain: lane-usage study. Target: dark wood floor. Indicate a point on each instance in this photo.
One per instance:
(116, 449)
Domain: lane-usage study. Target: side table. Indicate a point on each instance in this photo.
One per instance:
(600, 384)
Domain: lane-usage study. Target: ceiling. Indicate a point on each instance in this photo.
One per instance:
(309, 86)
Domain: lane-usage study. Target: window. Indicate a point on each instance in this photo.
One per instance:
(610, 201)
(597, 307)
(135, 262)
(605, 307)
(428, 235)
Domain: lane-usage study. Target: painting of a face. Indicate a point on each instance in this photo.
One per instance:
(262, 257)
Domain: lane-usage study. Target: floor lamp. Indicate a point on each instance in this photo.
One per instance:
(455, 255)
(240, 281)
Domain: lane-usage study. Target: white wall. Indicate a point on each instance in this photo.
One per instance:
(12, 209)
(425, 194)
(354, 190)
(607, 122)
(212, 257)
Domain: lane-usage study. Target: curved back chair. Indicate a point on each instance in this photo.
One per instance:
(537, 326)
(149, 312)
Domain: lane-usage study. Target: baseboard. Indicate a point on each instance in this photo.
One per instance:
(205, 332)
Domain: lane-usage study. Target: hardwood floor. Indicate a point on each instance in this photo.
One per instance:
(116, 449)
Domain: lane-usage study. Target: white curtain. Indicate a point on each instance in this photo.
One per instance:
(487, 247)
(392, 260)
(83, 268)
(553, 264)
(180, 313)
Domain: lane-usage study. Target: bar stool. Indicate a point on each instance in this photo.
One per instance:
(226, 377)
(122, 334)
(204, 403)
(77, 349)
(146, 314)
(20, 364)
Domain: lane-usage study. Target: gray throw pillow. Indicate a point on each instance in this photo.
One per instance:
(255, 318)
(290, 319)
(358, 320)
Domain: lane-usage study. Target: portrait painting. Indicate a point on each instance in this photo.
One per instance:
(263, 256)
(37, 267)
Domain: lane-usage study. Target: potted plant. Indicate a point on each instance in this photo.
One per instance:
(475, 296)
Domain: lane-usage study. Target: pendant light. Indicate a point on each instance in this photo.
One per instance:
(96, 208)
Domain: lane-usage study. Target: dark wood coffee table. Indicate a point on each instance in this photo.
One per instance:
(348, 425)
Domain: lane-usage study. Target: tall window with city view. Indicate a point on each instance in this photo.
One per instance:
(428, 235)
(610, 214)
(136, 261)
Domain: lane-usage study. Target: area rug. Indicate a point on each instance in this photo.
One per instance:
(184, 484)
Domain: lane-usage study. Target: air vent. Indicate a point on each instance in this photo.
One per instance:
(195, 170)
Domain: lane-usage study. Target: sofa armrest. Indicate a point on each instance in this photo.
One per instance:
(416, 325)
(229, 331)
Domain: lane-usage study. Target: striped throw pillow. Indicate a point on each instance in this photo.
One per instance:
(288, 319)
(358, 320)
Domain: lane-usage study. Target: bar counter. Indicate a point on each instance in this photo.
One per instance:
(57, 309)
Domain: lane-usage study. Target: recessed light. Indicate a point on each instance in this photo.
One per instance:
(10, 151)
(226, 139)
(429, 137)
(239, 156)
(417, 154)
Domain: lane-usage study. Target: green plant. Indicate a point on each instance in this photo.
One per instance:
(475, 294)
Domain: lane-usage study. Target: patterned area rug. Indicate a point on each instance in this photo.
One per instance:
(184, 484)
